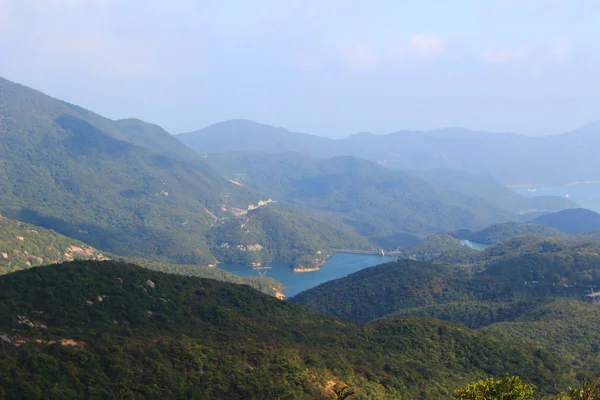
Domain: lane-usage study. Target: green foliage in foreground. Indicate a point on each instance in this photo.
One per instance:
(509, 388)
(512, 388)
(110, 330)
(263, 284)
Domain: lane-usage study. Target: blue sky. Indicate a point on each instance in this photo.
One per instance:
(331, 67)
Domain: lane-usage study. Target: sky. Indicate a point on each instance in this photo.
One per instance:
(331, 68)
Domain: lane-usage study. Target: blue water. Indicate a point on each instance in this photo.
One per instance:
(474, 245)
(587, 195)
(338, 266)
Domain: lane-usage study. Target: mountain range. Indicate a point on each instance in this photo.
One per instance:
(129, 188)
(555, 159)
(388, 207)
(139, 311)
(125, 187)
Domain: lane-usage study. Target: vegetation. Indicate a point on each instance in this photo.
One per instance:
(23, 246)
(125, 187)
(572, 221)
(104, 329)
(512, 388)
(442, 249)
(390, 208)
(270, 234)
(541, 269)
(563, 326)
(509, 388)
(508, 230)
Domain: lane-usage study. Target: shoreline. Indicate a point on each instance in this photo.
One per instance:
(574, 183)
(302, 269)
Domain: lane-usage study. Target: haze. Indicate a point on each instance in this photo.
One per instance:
(330, 68)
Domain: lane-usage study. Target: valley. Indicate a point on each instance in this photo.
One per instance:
(249, 265)
(299, 200)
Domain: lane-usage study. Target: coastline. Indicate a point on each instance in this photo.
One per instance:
(574, 183)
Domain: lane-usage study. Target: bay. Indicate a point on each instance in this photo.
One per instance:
(338, 266)
(586, 194)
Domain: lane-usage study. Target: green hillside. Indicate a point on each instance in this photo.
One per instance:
(563, 326)
(110, 330)
(125, 187)
(390, 208)
(269, 234)
(550, 269)
(442, 249)
(508, 230)
(24, 246)
(573, 221)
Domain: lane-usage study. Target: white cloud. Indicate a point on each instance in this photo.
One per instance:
(505, 56)
(425, 44)
(362, 56)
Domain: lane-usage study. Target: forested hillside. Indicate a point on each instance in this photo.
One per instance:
(530, 269)
(573, 221)
(269, 234)
(114, 330)
(125, 187)
(24, 246)
(388, 207)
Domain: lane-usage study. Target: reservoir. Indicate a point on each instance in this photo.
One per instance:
(474, 245)
(338, 266)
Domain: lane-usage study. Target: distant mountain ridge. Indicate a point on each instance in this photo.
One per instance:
(555, 159)
(572, 221)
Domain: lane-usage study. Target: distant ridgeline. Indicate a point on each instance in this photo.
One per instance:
(571, 223)
(532, 159)
(109, 330)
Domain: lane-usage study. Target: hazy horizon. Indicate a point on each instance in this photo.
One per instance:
(330, 70)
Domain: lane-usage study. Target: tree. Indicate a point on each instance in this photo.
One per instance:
(589, 391)
(342, 393)
(508, 388)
